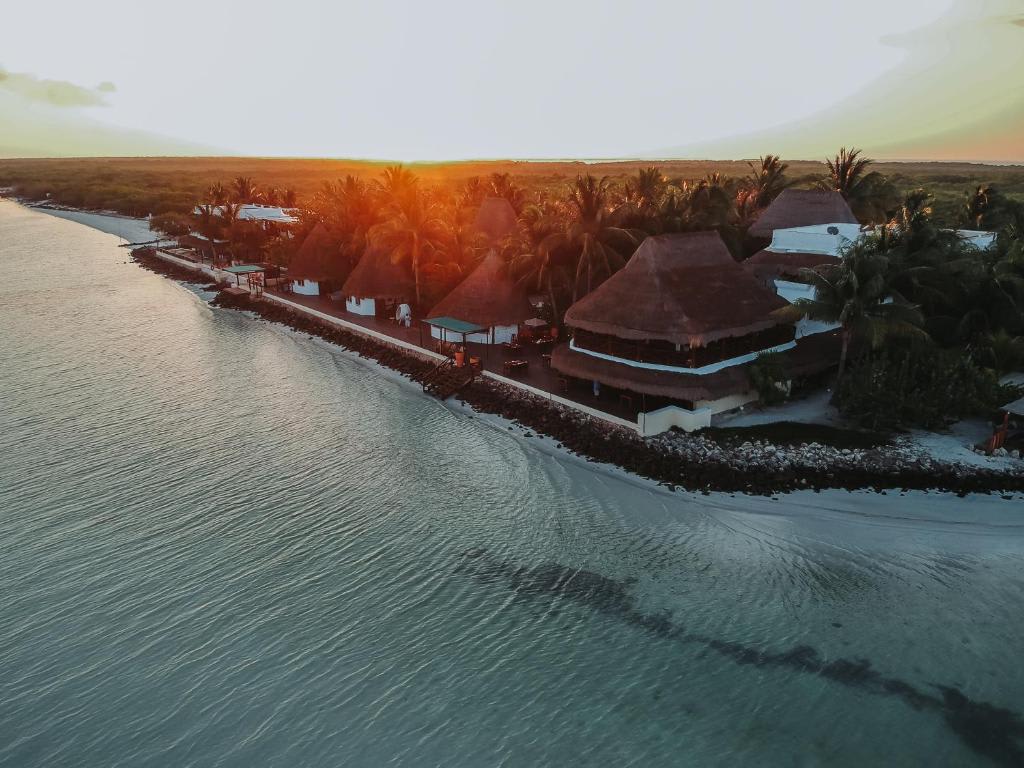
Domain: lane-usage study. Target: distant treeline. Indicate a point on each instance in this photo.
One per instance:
(142, 186)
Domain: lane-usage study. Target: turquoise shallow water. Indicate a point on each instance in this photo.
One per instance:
(224, 544)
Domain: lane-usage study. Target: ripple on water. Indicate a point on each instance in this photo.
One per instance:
(224, 543)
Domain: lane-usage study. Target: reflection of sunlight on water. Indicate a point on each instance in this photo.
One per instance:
(219, 535)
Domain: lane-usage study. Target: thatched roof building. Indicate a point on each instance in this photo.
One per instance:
(495, 218)
(376, 276)
(800, 208)
(683, 288)
(768, 265)
(682, 322)
(809, 356)
(317, 259)
(488, 297)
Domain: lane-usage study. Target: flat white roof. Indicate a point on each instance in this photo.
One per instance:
(253, 212)
(1016, 407)
(978, 238)
(816, 238)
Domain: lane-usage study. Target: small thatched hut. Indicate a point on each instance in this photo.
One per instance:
(377, 285)
(681, 322)
(316, 264)
(488, 298)
(801, 208)
(495, 219)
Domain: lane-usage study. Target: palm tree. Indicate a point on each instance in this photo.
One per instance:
(412, 228)
(987, 293)
(870, 194)
(746, 208)
(1000, 351)
(767, 180)
(473, 190)
(709, 203)
(243, 189)
(914, 215)
(397, 183)
(592, 234)
(534, 258)
(217, 193)
(988, 208)
(350, 208)
(208, 224)
(857, 294)
(642, 198)
(501, 185)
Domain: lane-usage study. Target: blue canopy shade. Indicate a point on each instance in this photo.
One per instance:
(454, 325)
(245, 269)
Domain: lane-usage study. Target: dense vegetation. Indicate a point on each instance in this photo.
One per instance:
(141, 186)
(953, 312)
(952, 315)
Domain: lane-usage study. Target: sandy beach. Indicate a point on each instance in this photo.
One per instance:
(126, 228)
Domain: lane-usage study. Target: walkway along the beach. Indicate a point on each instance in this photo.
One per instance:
(693, 462)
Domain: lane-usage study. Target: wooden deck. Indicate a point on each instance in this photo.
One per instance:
(537, 373)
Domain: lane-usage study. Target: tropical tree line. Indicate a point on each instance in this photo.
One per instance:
(911, 282)
(950, 314)
(216, 219)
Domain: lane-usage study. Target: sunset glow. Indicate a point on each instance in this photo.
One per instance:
(448, 80)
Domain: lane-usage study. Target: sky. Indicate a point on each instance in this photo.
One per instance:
(445, 80)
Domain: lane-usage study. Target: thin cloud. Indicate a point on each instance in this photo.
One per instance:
(56, 93)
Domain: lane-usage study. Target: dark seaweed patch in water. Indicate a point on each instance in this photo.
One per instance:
(992, 731)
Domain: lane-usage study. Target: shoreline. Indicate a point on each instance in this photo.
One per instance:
(127, 228)
(665, 461)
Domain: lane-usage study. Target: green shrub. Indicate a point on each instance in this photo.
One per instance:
(911, 384)
(769, 376)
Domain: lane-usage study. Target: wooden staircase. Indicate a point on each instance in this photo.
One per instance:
(445, 379)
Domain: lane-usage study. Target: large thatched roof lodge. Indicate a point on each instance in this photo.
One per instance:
(679, 326)
(377, 284)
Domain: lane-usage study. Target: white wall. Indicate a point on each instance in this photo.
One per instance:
(807, 327)
(306, 287)
(211, 272)
(793, 292)
(364, 307)
(502, 334)
(663, 419)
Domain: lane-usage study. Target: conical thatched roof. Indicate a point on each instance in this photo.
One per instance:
(495, 218)
(377, 277)
(684, 288)
(802, 208)
(487, 297)
(317, 258)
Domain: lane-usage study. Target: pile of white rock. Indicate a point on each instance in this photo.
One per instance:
(898, 456)
(999, 453)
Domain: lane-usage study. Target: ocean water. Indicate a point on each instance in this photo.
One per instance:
(226, 544)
